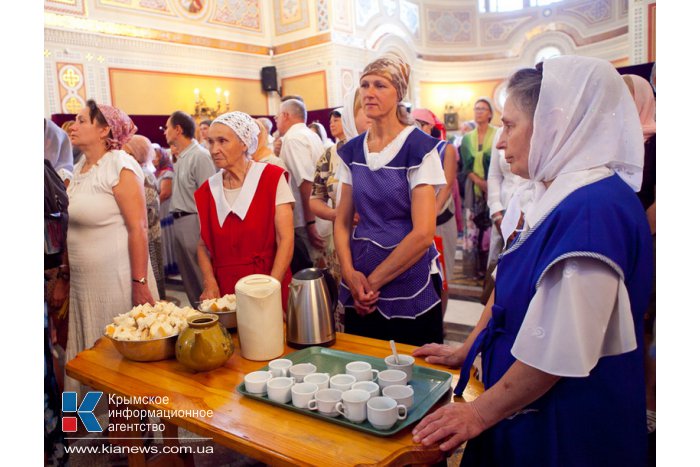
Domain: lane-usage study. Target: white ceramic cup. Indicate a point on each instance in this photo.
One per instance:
(401, 394)
(383, 412)
(342, 382)
(370, 386)
(280, 367)
(302, 393)
(325, 400)
(300, 370)
(362, 371)
(319, 379)
(279, 389)
(391, 377)
(353, 405)
(405, 364)
(256, 382)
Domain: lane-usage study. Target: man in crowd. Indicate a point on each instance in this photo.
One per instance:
(301, 148)
(204, 132)
(194, 166)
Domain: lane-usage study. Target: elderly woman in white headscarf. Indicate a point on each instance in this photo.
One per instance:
(245, 211)
(561, 342)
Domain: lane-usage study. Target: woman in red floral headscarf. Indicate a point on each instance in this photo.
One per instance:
(107, 238)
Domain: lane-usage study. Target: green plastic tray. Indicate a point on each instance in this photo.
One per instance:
(428, 386)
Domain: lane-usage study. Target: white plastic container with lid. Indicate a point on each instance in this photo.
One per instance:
(260, 317)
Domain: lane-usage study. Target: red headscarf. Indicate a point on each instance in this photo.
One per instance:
(425, 115)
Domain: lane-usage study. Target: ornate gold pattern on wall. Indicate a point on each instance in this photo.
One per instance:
(322, 15)
(71, 79)
(152, 6)
(448, 26)
(500, 30)
(75, 7)
(291, 15)
(243, 14)
(302, 43)
(591, 12)
(125, 30)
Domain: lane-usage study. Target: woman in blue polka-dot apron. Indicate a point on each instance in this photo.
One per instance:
(390, 175)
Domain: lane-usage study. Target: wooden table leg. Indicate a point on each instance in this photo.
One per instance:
(138, 459)
(117, 437)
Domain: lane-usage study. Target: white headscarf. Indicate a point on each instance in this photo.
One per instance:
(244, 126)
(585, 118)
(348, 116)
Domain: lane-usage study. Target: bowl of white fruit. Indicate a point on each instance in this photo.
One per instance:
(148, 333)
(224, 308)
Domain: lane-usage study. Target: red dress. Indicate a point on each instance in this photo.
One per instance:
(242, 247)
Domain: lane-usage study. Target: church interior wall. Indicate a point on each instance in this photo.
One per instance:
(319, 47)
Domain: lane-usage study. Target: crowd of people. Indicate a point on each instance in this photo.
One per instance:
(545, 204)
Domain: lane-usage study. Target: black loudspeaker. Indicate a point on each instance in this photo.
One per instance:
(268, 75)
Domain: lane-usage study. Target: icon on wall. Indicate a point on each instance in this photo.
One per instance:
(192, 9)
(451, 121)
(193, 6)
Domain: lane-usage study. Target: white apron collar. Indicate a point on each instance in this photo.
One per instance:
(245, 197)
(561, 187)
(535, 201)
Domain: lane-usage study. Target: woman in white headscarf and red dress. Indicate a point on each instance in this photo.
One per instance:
(245, 212)
(561, 337)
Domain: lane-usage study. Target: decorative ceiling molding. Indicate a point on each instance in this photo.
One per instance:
(530, 35)
(72, 7)
(365, 10)
(494, 31)
(449, 27)
(153, 7)
(290, 16)
(244, 14)
(302, 44)
(409, 14)
(590, 12)
(322, 20)
(52, 20)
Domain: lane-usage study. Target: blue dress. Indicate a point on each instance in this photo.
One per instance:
(596, 420)
(382, 198)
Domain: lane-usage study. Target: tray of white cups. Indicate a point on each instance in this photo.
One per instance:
(374, 395)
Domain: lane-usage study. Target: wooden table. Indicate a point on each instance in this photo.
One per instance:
(256, 429)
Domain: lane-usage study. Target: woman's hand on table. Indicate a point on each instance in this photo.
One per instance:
(441, 354)
(450, 425)
(140, 294)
